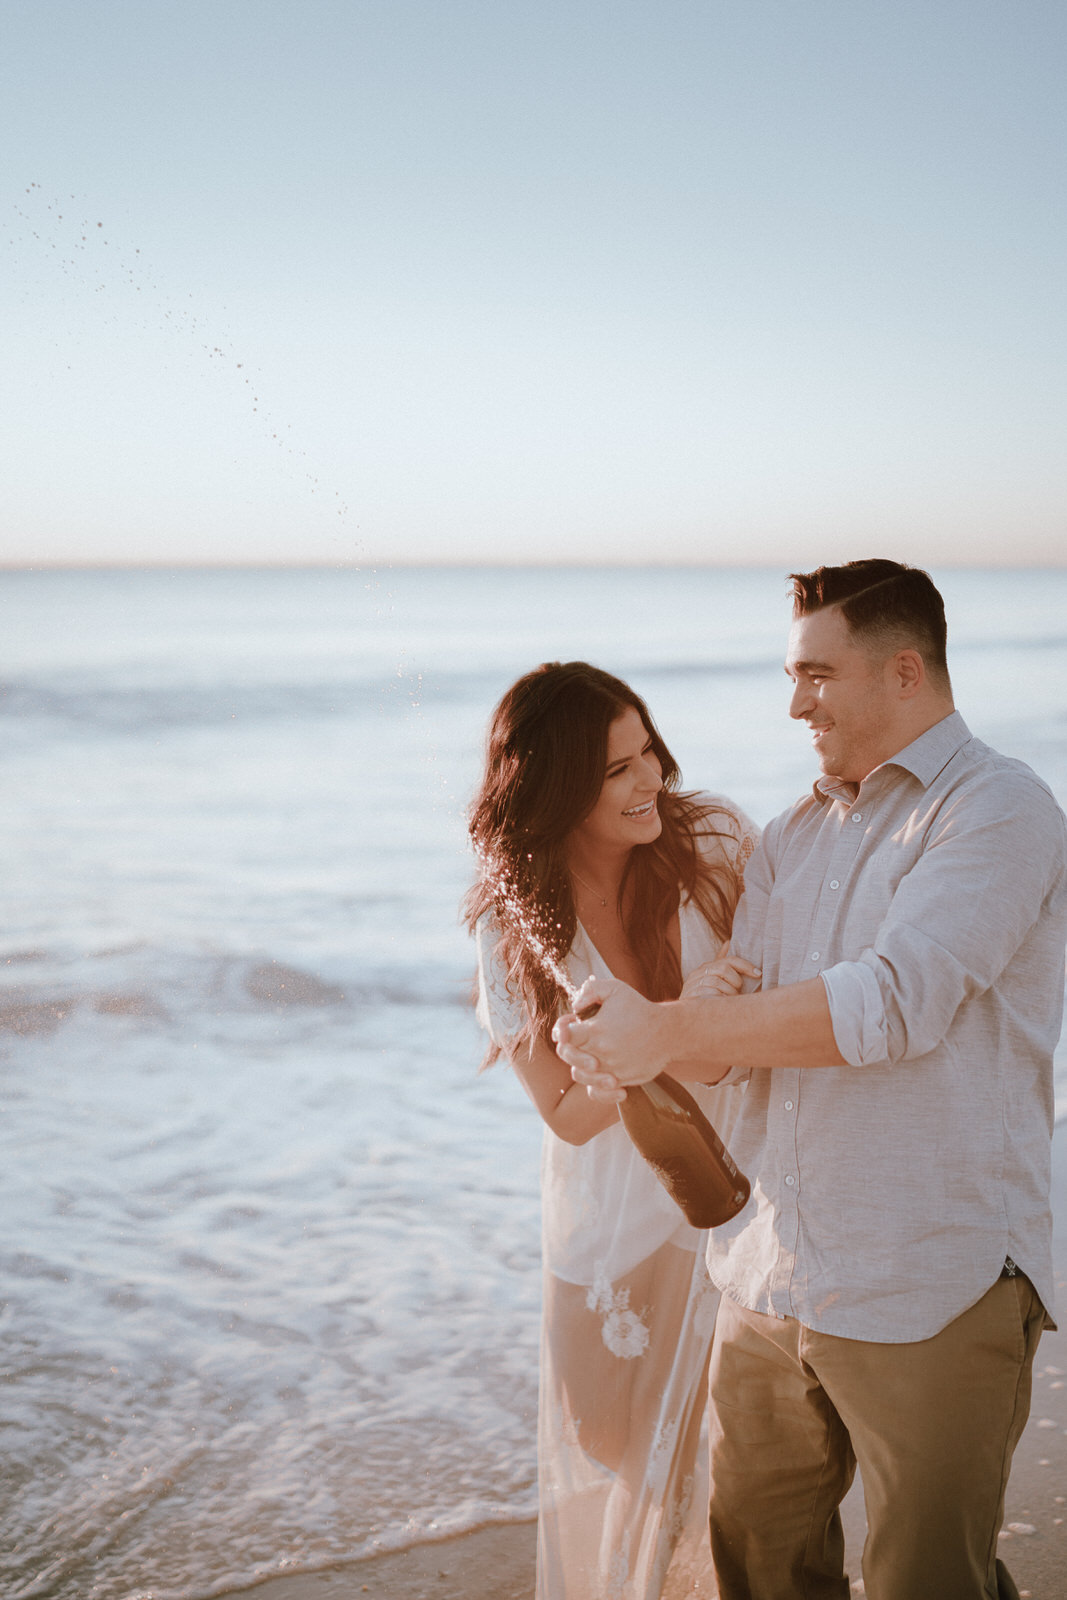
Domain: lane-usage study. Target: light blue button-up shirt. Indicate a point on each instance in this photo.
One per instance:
(933, 905)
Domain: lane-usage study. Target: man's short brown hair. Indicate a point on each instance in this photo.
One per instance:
(886, 604)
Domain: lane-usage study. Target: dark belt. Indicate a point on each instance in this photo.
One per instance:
(1009, 1269)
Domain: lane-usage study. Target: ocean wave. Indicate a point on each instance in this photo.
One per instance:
(25, 1016)
(156, 988)
(134, 708)
(136, 705)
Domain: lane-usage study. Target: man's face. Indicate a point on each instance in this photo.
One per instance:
(843, 694)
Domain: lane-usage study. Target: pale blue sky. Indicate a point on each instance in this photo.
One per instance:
(405, 280)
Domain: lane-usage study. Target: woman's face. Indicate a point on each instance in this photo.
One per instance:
(626, 812)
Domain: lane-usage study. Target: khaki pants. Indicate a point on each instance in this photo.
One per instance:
(932, 1424)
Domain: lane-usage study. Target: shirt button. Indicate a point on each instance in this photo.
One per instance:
(834, 884)
(815, 955)
(857, 816)
(790, 1181)
(789, 1105)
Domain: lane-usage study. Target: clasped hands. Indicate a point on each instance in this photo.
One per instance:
(629, 1040)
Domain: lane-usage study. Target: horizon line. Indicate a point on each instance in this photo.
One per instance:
(467, 564)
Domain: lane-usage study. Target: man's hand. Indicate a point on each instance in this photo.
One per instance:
(631, 1040)
(624, 1043)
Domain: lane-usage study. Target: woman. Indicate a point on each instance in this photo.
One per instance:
(592, 861)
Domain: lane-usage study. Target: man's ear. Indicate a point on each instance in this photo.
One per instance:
(908, 672)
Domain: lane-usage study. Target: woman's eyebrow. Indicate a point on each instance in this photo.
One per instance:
(621, 761)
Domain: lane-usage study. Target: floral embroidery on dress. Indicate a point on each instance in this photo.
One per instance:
(680, 1509)
(623, 1330)
(625, 1334)
(617, 1577)
(706, 1307)
(661, 1454)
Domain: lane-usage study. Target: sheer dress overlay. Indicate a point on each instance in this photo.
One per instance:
(628, 1314)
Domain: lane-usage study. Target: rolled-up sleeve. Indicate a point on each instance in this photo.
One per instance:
(963, 911)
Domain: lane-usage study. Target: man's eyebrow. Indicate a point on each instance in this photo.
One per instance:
(807, 666)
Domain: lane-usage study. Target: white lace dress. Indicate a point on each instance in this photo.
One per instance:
(628, 1314)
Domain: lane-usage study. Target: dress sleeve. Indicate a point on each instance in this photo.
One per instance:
(757, 881)
(737, 835)
(742, 837)
(500, 1009)
(747, 840)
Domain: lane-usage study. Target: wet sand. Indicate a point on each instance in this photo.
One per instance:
(497, 1563)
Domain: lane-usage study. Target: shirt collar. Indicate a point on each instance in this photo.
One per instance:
(924, 758)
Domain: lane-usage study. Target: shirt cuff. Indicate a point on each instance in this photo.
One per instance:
(857, 1013)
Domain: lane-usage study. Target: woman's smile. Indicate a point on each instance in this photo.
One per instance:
(632, 764)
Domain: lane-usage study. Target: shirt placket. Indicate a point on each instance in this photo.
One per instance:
(790, 1278)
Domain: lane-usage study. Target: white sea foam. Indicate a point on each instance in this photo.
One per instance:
(270, 1257)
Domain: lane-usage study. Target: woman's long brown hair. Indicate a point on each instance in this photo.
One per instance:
(545, 762)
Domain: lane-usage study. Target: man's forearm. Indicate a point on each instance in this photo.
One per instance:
(785, 1027)
(618, 1037)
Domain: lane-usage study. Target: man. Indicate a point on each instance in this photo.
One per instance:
(885, 1287)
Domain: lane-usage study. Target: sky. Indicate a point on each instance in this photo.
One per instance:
(764, 281)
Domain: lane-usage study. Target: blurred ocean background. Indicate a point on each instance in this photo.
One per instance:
(269, 1257)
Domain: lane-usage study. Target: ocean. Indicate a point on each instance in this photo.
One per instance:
(269, 1265)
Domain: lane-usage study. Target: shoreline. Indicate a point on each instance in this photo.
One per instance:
(496, 1562)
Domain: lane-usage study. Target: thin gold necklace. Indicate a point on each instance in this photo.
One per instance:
(601, 897)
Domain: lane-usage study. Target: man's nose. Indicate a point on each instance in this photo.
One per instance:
(800, 701)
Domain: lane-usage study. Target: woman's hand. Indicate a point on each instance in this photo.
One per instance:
(725, 975)
(611, 1038)
(614, 1036)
